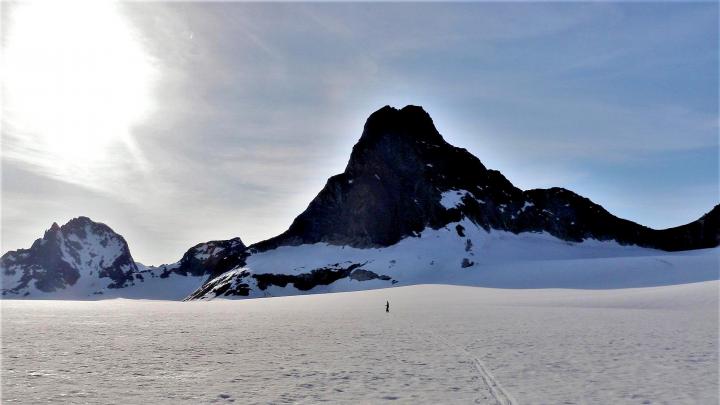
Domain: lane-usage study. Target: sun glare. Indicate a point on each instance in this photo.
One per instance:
(75, 81)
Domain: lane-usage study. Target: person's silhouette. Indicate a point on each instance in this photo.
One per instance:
(387, 306)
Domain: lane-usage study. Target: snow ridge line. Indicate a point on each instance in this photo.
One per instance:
(501, 396)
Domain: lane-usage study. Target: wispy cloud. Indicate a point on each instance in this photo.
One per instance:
(257, 104)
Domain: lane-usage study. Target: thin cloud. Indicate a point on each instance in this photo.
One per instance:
(256, 105)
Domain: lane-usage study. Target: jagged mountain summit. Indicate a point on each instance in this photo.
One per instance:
(403, 177)
(65, 255)
(84, 259)
(404, 185)
(408, 208)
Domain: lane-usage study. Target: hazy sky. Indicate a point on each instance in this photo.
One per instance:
(178, 123)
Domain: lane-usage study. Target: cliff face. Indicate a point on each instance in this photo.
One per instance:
(403, 177)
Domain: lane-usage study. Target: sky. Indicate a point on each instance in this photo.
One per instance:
(177, 123)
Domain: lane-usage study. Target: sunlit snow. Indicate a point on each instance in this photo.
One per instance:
(452, 198)
(438, 344)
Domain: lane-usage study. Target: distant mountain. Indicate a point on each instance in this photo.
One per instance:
(409, 208)
(209, 259)
(86, 259)
(80, 249)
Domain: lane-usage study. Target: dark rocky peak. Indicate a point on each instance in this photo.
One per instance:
(392, 186)
(209, 258)
(80, 248)
(403, 177)
(80, 226)
(81, 222)
(411, 122)
(51, 234)
(81, 229)
(401, 142)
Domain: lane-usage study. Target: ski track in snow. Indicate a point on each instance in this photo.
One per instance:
(499, 394)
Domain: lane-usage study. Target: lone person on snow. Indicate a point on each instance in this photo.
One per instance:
(387, 306)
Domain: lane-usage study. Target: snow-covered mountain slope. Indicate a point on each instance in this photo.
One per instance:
(88, 260)
(80, 255)
(411, 208)
(461, 253)
(408, 208)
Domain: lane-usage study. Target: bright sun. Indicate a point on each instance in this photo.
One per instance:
(75, 81)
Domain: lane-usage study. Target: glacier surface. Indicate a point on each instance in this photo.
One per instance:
(438, 344)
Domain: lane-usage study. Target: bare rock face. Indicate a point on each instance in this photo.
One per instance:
(392, 185)
(80, 249)
(242, 282)
(403, 177)
(209, 259)
(701, 233)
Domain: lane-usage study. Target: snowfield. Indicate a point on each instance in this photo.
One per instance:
(439, 344)
(461, 253)
(464, 254)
